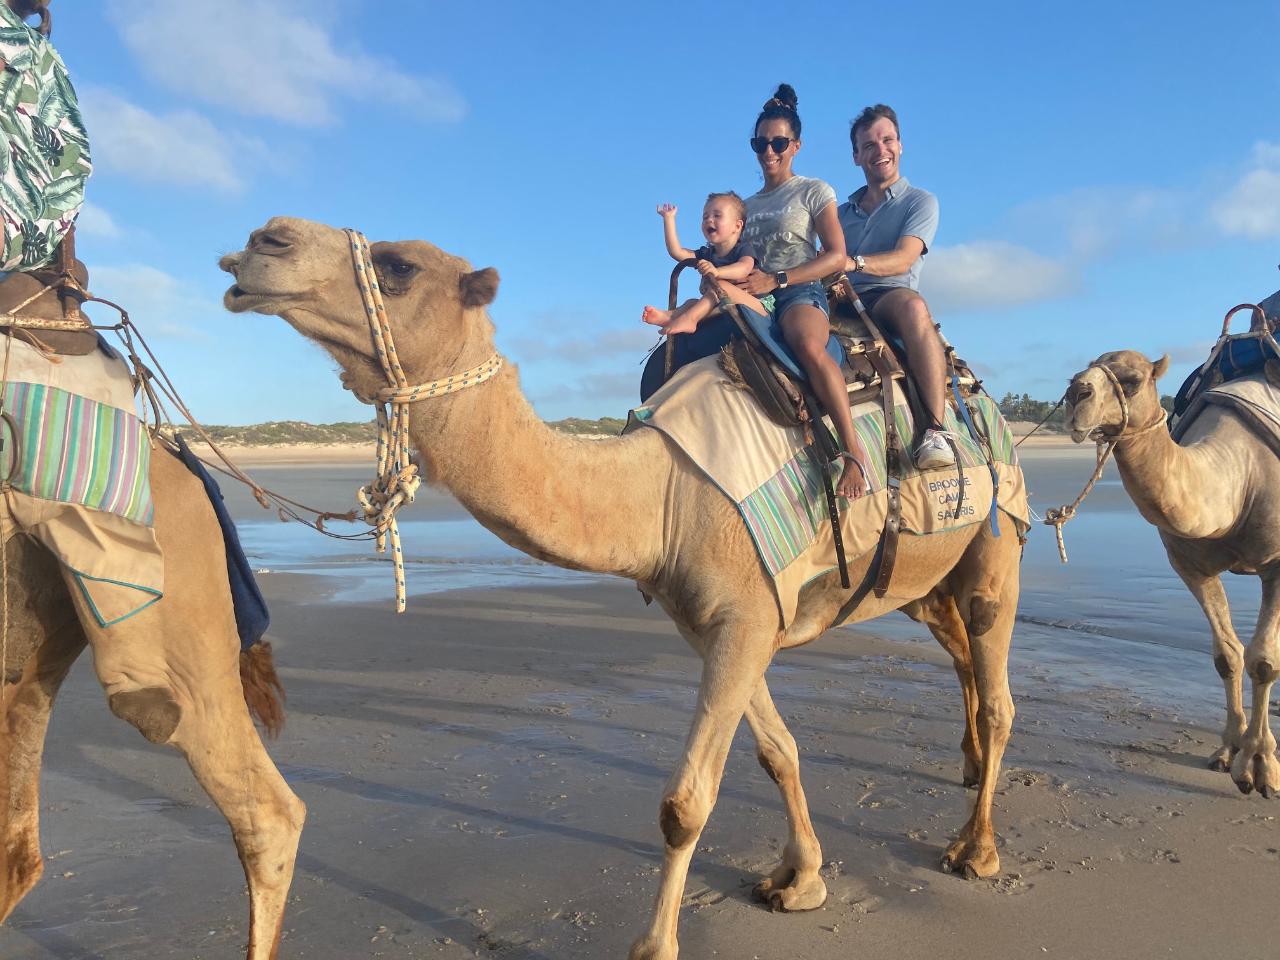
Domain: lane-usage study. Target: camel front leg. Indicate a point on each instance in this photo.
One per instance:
(795, 884)
(733, 668)
(1228, 656)
(990, 627)
(1255, 767)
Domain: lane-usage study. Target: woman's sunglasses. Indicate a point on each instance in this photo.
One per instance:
(779, 144)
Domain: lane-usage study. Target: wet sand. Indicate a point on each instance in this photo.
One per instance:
(483, 773)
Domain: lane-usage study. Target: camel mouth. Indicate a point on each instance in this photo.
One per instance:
(1079, 436)
(239, 300)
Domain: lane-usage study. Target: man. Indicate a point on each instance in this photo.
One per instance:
(888, 227)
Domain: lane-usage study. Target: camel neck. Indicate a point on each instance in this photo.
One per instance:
(1168, 483)
(578, 503)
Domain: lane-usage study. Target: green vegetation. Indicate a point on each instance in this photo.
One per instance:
(1024, 408)
(288, 432)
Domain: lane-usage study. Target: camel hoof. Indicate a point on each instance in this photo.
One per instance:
(970, 783)
(971, 872)
(1245, 785)
(794, 896)
(1219, 763)
(1266, 791)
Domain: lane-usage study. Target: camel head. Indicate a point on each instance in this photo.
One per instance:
(302, 271)
(1093, 399)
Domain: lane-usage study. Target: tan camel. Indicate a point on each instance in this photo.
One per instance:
(635, 507)
(1215, 498)
(173, 671)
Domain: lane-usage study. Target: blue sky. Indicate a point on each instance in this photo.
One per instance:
(1108, 175)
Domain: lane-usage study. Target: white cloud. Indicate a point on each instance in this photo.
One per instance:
(270, 60)
(181, 147)
(569, 345)
(972, 276)
(1251, 208)
(155, 299)
(96, 222)
(1094, 221)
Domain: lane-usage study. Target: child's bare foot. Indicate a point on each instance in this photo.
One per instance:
(679, 323)
(852, 484)
(659, 318)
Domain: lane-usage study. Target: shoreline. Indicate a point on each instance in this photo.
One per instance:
(483, 776)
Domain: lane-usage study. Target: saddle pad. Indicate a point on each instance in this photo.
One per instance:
(44, 154)
(773, 480)
(78, 468)
(1254, 400)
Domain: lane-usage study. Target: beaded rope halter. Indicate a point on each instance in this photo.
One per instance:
(397, 480)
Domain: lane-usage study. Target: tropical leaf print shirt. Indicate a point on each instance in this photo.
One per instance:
(44, 154)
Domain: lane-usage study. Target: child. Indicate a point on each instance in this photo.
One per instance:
(722, 258)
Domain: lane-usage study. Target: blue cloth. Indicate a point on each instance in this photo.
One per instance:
(769, 330)
(906, 211)
(252, 618)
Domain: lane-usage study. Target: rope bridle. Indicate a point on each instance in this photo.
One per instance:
(1056, 517)
(397, 479)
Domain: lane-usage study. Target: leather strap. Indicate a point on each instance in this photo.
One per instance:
(888, 553)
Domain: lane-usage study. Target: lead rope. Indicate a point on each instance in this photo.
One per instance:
(1057, 517)
(397, 479)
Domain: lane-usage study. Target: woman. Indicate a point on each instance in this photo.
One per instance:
(784, 221)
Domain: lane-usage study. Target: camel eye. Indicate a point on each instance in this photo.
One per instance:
(402, 270)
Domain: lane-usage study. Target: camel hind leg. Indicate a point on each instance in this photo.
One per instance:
(173, 671)
(939, 612)
(985, 590)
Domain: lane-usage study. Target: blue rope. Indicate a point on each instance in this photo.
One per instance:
(973, 432)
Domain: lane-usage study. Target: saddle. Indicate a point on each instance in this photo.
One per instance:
(43, 306)
(873, 370)
(1235, 355)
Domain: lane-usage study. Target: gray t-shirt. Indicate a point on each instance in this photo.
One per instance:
(780, 231)
(906, 211)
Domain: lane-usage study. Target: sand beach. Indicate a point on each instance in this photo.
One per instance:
(482, 774)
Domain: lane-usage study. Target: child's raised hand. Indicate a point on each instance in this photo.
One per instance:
(666, 210)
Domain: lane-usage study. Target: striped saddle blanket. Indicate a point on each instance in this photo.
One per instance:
(776, 484)
(78, 460)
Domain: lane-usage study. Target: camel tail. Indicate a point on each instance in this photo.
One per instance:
(263, 691)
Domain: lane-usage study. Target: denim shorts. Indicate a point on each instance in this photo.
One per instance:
(808, 293)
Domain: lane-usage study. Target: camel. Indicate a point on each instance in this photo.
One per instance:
(174, 671)
(637, 508)
(1215, 499)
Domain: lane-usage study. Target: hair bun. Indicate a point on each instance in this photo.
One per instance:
(784, 96)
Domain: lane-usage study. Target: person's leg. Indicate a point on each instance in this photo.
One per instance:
(905, 313)
(807, 330)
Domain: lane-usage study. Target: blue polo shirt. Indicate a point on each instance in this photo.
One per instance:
(906, 211)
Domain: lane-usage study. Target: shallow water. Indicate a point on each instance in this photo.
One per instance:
(1114, 615)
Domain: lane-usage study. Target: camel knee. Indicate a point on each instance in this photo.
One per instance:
(152, 710)
(682, 818)
(775, 761)
(1227, 666)
(1263, 670)
(996, 717)
(983, 612)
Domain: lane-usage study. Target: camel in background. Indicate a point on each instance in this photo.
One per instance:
(174, 671)
(637, 508)
(1215, 498)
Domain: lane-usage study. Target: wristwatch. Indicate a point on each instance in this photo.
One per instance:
(859, 264)
(780, 278)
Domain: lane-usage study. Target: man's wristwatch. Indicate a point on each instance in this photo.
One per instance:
(859, 264)
(780, 278)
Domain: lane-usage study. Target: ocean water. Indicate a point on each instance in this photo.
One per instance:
(1115, 615)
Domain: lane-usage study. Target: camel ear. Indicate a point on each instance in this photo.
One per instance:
(1160, 367)
(479, 288)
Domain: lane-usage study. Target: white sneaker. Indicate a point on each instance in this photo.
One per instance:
(934, 451)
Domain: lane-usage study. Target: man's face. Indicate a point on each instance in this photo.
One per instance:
(877, 151)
